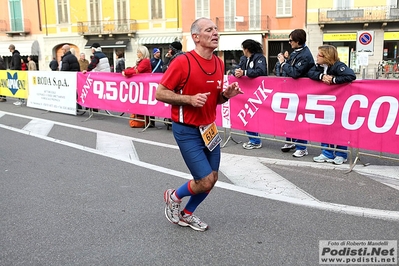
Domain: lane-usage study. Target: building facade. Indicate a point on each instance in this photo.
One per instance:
(268, 22)
(121, 25)
(365, 32)
(20, 25)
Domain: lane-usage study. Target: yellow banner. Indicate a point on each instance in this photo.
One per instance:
(14, 83)
(334, 37)
(391, 36)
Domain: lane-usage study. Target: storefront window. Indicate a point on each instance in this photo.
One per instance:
(231, 60)
(391, 52)
(347, 53)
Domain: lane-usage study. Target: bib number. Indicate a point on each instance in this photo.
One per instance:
(210, 135)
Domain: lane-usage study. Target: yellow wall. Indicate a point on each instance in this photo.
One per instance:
(369, 3)
(108, 10)
(356, 3)
(315, 5)
(138, 10)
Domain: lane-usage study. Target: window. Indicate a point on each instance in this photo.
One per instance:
(229, 14)
(284, 8)
(254, 15)
(392, 3)
(156, 9)
(202, 9)
(121, 7)
(62, 11)
(94, 11)
(343, 4)
(16, 15)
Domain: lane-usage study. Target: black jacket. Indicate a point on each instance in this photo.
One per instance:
(257, 65)
(168, 60)
(120, 65)
(53, 65)
(339, 70)
(299, 63)
(15, 63)
(69, 62)
(2, 64)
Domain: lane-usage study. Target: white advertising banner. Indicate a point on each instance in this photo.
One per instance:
(53, 91)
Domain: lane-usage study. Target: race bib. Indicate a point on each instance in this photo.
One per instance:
(210, 135)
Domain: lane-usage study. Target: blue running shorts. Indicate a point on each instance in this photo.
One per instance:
(198, 158)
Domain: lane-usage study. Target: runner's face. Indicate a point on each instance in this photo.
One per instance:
(208, 36)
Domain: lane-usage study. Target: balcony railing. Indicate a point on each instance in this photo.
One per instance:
(359, 15)
(243, 23)
(125, 26)
(15, 26)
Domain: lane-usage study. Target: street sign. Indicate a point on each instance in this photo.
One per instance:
(365, 42)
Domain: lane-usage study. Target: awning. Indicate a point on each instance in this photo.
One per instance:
(233, 42)
(157, 40)
(120, 43)
(25, 48)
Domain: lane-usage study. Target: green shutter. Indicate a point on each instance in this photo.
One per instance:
(17, 23)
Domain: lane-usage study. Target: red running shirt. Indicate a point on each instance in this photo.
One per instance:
(190, 74)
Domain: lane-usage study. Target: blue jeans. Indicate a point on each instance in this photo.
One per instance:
(298, 146)
(253, 140)
(332, 154)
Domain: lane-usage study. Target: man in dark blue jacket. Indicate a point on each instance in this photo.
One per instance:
(298, 65)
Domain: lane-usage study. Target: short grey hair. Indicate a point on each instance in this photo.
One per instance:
(195, 28)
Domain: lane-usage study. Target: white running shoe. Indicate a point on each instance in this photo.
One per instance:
(300, 153)
(193, 221)
(339, 160)
(249, 145)
(172, 207)
(322, 158)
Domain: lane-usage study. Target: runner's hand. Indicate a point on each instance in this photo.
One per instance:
(232, 90)
(199, 99)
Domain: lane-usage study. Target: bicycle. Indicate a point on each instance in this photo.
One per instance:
(395, 71)
(380, 69)
(80, 110)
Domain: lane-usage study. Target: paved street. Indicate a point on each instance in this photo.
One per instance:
(89, 192)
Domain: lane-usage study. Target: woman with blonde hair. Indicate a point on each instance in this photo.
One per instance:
(330, 70)
(143, 63)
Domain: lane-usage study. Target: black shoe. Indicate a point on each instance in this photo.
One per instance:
(287, 147)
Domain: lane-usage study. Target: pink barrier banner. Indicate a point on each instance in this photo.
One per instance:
(112, 91)
(362, 114)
